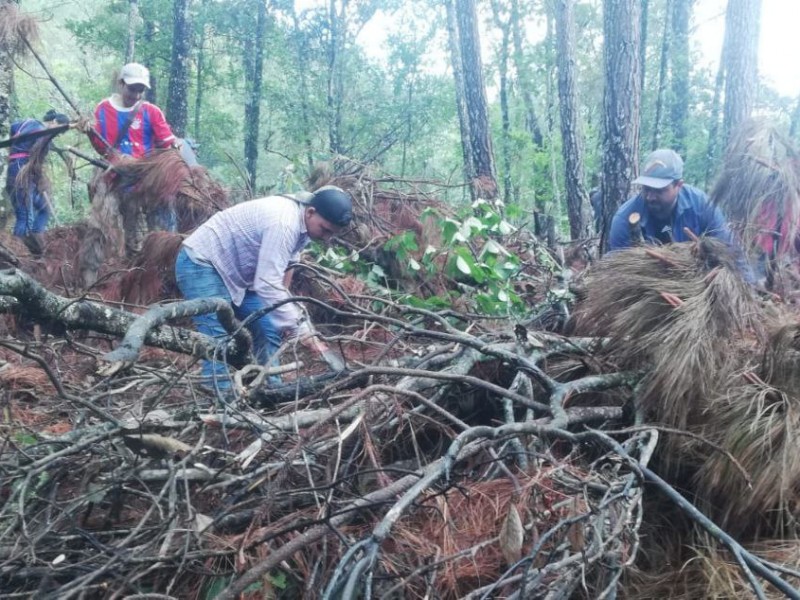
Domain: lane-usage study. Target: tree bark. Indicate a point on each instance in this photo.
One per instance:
(524, 78)
(484, 182)
(571, 136)
(679, 109)
(254, 67)
(177, 112)
(336, 25)
(33, 300)
(621, 101)
(133, 19)
(741, 62)
(504, 24)
(662, 83)
(301, 49)
(458, 76)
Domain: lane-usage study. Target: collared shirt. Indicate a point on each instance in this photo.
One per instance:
(251, 245)
(692, 210)
(148, 130)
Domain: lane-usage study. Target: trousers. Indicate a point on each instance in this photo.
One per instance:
(197, 280)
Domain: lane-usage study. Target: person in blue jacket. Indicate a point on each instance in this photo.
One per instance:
(28, 198)
(666, 205)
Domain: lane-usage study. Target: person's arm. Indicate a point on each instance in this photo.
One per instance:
(271, 279)
(620, 234)
(162, 132)
(97, 133)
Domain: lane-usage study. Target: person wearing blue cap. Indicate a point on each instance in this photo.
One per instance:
(666, 206)
(242, 254)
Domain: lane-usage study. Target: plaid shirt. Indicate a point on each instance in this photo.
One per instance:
(251, 245)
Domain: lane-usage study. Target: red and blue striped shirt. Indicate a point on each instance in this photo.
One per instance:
(148, 130)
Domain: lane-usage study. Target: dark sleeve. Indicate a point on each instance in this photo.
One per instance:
(620, 235)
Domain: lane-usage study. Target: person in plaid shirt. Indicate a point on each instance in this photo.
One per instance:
(242, 254)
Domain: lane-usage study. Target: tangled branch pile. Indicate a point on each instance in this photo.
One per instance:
(457, 457)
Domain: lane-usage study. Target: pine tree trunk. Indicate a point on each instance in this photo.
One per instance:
(199, 74)
(177, 112)
(524, 78)
(643, 44)
(658, 123)
(484, 183)
(620, 103)
(301, 49)
(571, 137)
(336, 24)
(133, 19)
(505, 143)
(254, 61)
(741, 62)
(679, 110)
(458, 76)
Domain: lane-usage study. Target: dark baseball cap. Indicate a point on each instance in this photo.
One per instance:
(660, 168)
(333, 204)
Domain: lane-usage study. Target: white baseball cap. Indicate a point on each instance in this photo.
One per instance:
(134, 73)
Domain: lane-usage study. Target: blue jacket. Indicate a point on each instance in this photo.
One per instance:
(692, 210)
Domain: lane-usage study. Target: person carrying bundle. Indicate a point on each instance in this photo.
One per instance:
(26, 184)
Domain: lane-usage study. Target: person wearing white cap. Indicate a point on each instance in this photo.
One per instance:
(127, 125)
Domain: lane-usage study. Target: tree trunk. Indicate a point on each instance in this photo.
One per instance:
(713, 128)
(133, 19)
(679, 110)
(554, 210)
(643, 43)
(741, 62)
(484, 182)
(458, 76)
(571, 138)
(620, 103)
(336, 23)
(178, 96)
(662, 83)
(524, 78)
(504, 24)
(301, 48)
(254, 64)
(199, 74)
(149, 59)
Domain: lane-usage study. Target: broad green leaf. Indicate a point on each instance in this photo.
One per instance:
(463, 266)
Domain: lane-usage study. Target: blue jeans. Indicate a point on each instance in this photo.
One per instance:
(30, 206)
(202, 281)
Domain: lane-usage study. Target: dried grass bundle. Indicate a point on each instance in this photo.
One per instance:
(758, 422)
(31, 380)
(15, 28)
(680, 311)
(33, 173)
(199, 197)
(759, 187)
(152, 275)
(706, 570)
(152, 181)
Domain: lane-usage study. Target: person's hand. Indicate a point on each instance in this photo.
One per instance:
(332, 359)
(84, 124)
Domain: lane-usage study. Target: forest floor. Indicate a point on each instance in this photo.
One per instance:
(634, 435)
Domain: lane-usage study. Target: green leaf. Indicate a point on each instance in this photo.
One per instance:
(463, 266)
